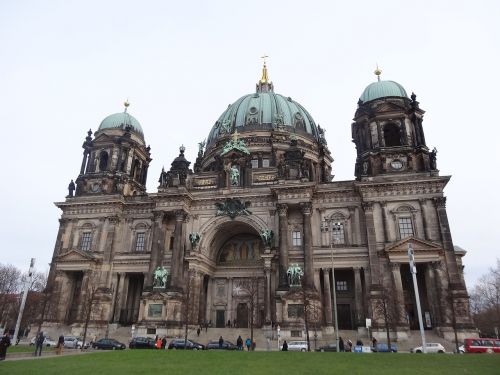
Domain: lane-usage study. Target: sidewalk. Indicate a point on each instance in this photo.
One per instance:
(47, 354)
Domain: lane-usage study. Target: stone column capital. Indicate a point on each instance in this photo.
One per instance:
(440, 202)
(306, 208)
(367, 206)
(282, 209)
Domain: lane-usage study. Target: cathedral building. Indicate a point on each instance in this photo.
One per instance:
(257, 231)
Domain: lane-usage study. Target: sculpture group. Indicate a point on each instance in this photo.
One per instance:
(160, 277)
(295, 275)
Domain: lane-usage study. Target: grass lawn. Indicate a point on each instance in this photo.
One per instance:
(27, 348)
(239, 363)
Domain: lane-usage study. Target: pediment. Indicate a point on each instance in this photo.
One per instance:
(102, 138)
(418, 246)
(389, 107)
(76, 256)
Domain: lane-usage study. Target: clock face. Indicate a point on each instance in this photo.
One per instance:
(397, 164)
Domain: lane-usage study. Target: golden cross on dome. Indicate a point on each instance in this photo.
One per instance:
(126, 104)
(264, 78)
(378, 72)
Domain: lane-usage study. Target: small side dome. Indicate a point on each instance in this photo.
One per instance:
(382, 89)
(121, 120)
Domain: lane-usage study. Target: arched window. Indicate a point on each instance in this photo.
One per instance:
(392, 135)
(103, 161)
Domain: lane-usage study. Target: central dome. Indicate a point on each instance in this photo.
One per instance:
(264, 110)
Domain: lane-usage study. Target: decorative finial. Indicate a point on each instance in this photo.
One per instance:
(182, 149)
(378, 72)
(264, 78)
(126, 104)
(235, 135)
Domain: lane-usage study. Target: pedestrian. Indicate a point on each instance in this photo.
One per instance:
(349, 345)
(163, 342)
(198, 331)
(239, 343)
(206, 327)
(4, 344)
(221, 342)
(60, 345)
(158, 343)
(254, 345)
(341, 345)
(284, 348)
(248, 342)
(374, 342)
(40, 338)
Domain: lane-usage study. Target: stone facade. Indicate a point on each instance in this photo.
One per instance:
(261, 198)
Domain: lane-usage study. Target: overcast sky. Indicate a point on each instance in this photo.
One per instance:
(65, 65)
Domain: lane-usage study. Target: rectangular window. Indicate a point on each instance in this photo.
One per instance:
(296, 333)
(341, 285)
(154, 310)
(338, 234)
(171, 244)
(296, 238)
(295, 310)
(255, 163)
(139, 242)
(405, 227)
(86, 241)
(265, 163)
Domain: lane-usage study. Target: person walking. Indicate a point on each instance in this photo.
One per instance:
(221, 342)
(374, 343)
(4, 344)
(341, 345)
(248, 343)
(40, 338)
(284, 348)
(163, 342)
(198, 331)
(239, 343)
(158, 343)
(60, 345)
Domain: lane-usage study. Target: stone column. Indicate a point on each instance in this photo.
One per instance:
(398, 290)
(268, 294)
(427, 233)
(308, 251)
(327, 297)
(229, 299)
(430, 282)
(449, 251)
(177, 262)
(84, 161)
(354, 225)
(385, 221)
(358, 297)
(156, 246)
(203, 299)
(208, 311)
(283, 243)
(442, 286)
(372, 244)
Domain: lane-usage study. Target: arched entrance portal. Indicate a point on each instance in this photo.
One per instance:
(236, 289)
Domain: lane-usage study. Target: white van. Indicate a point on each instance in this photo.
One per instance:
(297, 346)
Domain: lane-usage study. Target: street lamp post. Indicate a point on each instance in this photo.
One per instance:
(334, 287)
(23, 299)
(413, 270)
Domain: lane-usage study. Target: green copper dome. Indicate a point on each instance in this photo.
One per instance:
(261, 111)
(382, 89)
(121, 120)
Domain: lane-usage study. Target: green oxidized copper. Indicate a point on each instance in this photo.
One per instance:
(235, 144)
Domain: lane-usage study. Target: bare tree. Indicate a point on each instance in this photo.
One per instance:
(89, 301)
(312, 313)
(249, 288)
(388, 309)
(10, 286)
(485, 302)
(188, 304)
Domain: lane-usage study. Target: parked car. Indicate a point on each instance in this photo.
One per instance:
(431, 347)
(110, 344)
(481, 345)
(297, 346)
(188, 344)
(47, 342)
(461, 349)
(73, 342)
(382, 347)
(332, 347)
(142, 343)
(226, 345)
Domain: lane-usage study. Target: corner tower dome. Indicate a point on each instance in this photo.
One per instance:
(264, 110)
(122, 120)
(382, 89)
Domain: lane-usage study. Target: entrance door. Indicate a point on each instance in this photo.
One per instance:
(242, 315)
(344, 316)
(220, 321)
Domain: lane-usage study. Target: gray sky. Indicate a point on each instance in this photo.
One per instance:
(65, 65)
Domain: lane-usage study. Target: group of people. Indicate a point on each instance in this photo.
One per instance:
(248, 343)
(160, 343)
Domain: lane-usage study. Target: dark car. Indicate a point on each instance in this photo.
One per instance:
(142, 343)
(384, 348)
(332, 347)
(226, 345)
(110, 344)
(188, 344)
